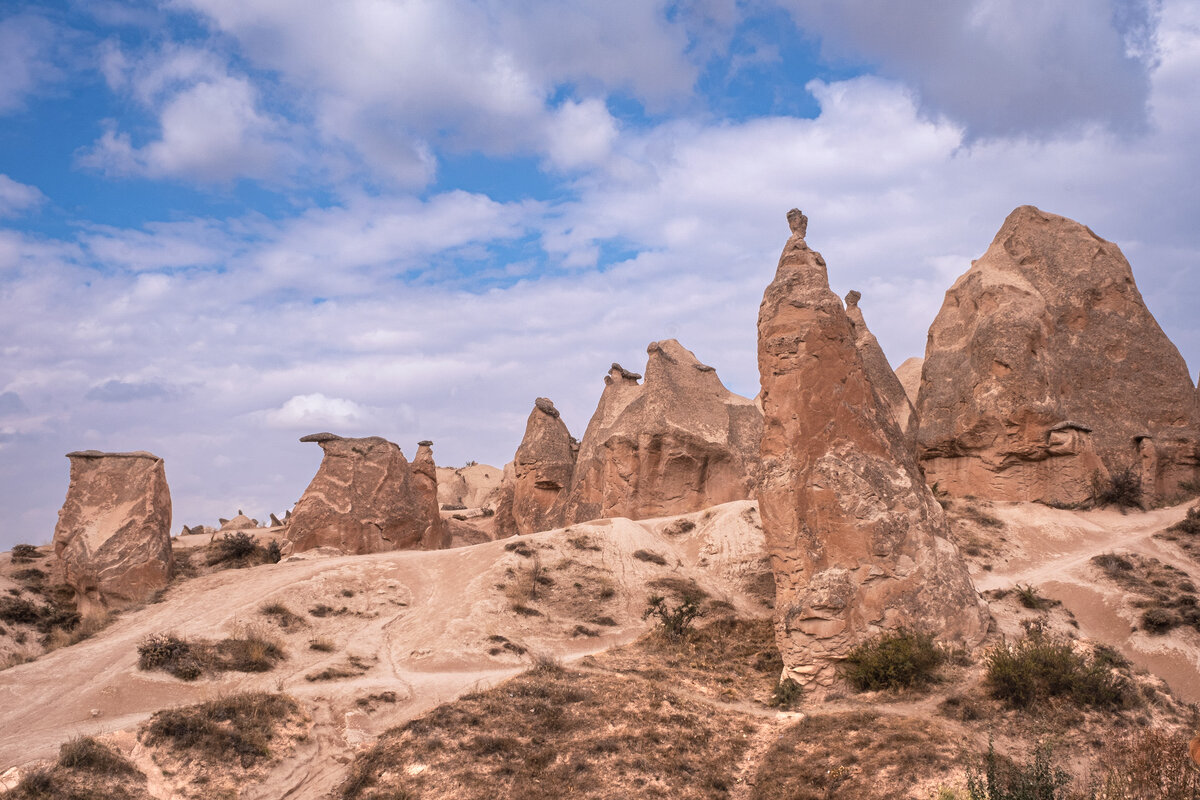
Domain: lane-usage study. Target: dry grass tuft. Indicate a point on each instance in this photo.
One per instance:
(237, 728)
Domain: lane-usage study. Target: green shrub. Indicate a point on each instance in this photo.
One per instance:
(1027, 595)
(1040, 666)
(1157, 621)
(274, 552)
(1000, 779)
(234, 547)
(893, 660)
(675, 622)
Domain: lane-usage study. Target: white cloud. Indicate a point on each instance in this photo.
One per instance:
(211, 127)
(1001, 66)
(318, 411)
(27, 61)
(17, 198)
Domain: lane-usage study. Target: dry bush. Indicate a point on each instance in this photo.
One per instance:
(554, 733)
(87, 769)
(1122, 489)
(238, 727)
(856, 755)
(283, 616)
(24, 553)
(1041, 666)
(650, 557)
(250, 649)
(1148, 764)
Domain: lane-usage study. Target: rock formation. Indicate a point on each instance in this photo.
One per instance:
(909, 375)
(365, 498)
(238, 523)
(112, 544)
(424, 469)
(879, 371)
(537, 481)
(472, 486)
(679, 442)
(1044, 368)
(858, 542)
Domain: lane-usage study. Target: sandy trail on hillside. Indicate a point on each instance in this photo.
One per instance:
(420, 621)
(1054, 549)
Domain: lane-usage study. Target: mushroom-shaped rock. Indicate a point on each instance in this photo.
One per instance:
(1048, 326)
(112, 544)
(677, 443)
(540, 474)
(437, 535)
(879, 371)
(363, 499)
(857, 540)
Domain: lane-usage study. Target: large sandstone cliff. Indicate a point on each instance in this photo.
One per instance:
(1044, 368)
(679, 442)
(112, 544)
(858, 542)
(367, 498)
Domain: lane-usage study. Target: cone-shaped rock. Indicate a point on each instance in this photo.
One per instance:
(879, 371)
(679, 442)
(112, 544)
(424, 469)
(909, 375)
(1044, 367)
(540, 476)
(365, 498)
(857, 540)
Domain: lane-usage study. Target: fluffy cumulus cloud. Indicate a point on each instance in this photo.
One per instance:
(27, 58)
(215, 339)
(1002, 66)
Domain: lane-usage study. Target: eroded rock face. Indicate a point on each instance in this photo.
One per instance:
(679, 442)
(909, 375)
(112, 544)
(472, 486)
(366, 498)
(540, 474)
(879, 371)
(424, 469)
(858, 542)
(1044, 367)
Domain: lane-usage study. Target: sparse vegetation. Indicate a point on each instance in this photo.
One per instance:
(90, 754)
(87, 769)
(354, 666)
(250, 651)
(1190, 524)
(1148, 763)
(787, 693)
(239, 549)
(238, 727)
(899, 659)
(1028, 597)
(283, 616)
(676, 622)
(1122, 488)
(1041, 666)
(24, 553)
(679, 527)
(998, 778)
(321, 645)
(650, 557)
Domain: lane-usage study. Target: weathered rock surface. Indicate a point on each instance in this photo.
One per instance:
(679, 442)
(1044, 367)
(909, 375)
(879, 371)
(112, 544)
(858, 542)
(238, 523)
(366, 498)
(424, 469)
(473, 486)
(540, 475)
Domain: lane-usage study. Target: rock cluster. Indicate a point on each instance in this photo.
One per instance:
(858, 542)
(112, 544)
(676, 443)
(367, 498)
(537, 480)
(1044, 369)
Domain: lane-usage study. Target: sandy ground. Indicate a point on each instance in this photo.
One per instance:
(420, 620)
(1052, 551)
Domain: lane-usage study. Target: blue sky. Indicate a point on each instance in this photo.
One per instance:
(225, 224)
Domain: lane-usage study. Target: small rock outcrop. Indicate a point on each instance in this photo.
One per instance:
(536, 486)
(239, 523)
(1045, 369)
(365, 498)
(858, 542)
(472, 486)
(677, 443)
(112, 544)
(879, 371)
